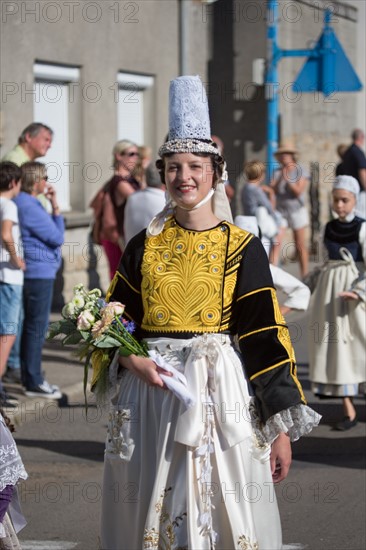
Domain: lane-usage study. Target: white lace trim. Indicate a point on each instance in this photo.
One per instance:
(11, 465)
(188, 109)
(204, 452)
(296, 421)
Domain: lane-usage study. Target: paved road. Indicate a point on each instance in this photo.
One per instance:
(322, 502)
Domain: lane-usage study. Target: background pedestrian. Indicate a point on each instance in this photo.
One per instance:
(11, 266)
(289, 185)
(43, 235)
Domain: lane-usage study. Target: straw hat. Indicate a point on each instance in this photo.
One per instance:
(286, 147)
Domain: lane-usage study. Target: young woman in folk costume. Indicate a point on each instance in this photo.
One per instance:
(337, 316)
(179, 444)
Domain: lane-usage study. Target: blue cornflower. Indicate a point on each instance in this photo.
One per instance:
(130, 327)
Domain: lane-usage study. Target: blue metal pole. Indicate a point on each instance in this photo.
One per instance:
(327, 76)
(271, 86)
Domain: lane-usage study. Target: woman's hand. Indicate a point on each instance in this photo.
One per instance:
(50, 194)
(284, 309)
(281, 456)
(145, 369)
(348, 295)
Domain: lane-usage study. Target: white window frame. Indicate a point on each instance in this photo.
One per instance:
(135, 85)
(58, 167)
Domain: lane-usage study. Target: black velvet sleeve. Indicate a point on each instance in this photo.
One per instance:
(126, 284)
(264, 339)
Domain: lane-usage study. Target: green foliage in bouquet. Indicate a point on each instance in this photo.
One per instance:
(100, 331)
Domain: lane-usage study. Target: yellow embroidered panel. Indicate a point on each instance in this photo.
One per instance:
(189, 278)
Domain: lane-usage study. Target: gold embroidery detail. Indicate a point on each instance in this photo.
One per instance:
(151, 539)
(166, 537)
(235, 261)
(115, 281)
(257, 331)
(284, 362)
(260, 442)
(277, 312)
(186, 283)
(244, 543)
(112, 286)
(263, 289)
(117, 442)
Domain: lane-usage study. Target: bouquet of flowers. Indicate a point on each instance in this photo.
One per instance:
(99, 329)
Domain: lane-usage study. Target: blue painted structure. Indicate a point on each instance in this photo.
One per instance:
(327, 70)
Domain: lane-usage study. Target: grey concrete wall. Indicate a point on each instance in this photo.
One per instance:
(317, 124)
(101, 37)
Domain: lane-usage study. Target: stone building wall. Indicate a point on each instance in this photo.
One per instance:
(101, 38)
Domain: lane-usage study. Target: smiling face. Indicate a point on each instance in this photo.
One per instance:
(38, 145)
(188, 178)
(343, 203)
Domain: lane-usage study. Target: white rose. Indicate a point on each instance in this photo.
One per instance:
(85, 320)
(68, 311)
(114, 308)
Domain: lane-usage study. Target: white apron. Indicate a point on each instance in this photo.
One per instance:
(337, 331)
(193, 479)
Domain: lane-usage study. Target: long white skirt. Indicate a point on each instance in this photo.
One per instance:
(337, 333)
(193, 479)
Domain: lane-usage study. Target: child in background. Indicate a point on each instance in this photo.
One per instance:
(337, 312)
(259, 200)
(297, 294)
(254, 194)
(11, 266)
(11, 471)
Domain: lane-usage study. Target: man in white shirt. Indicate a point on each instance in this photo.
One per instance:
(142, 206)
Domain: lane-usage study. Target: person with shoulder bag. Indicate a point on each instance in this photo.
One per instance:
(109, 203)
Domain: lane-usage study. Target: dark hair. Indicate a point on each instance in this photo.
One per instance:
(357, 134)
(216, 160)
(8, 422)
(33, 130)
(9, 172)
(152, 176)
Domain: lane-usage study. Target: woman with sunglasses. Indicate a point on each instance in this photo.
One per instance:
(109, 205)
(42, 235)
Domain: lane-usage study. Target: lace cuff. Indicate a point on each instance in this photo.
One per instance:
(296, 421)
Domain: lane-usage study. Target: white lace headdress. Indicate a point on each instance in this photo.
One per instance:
(189, 121)
(190, 132)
